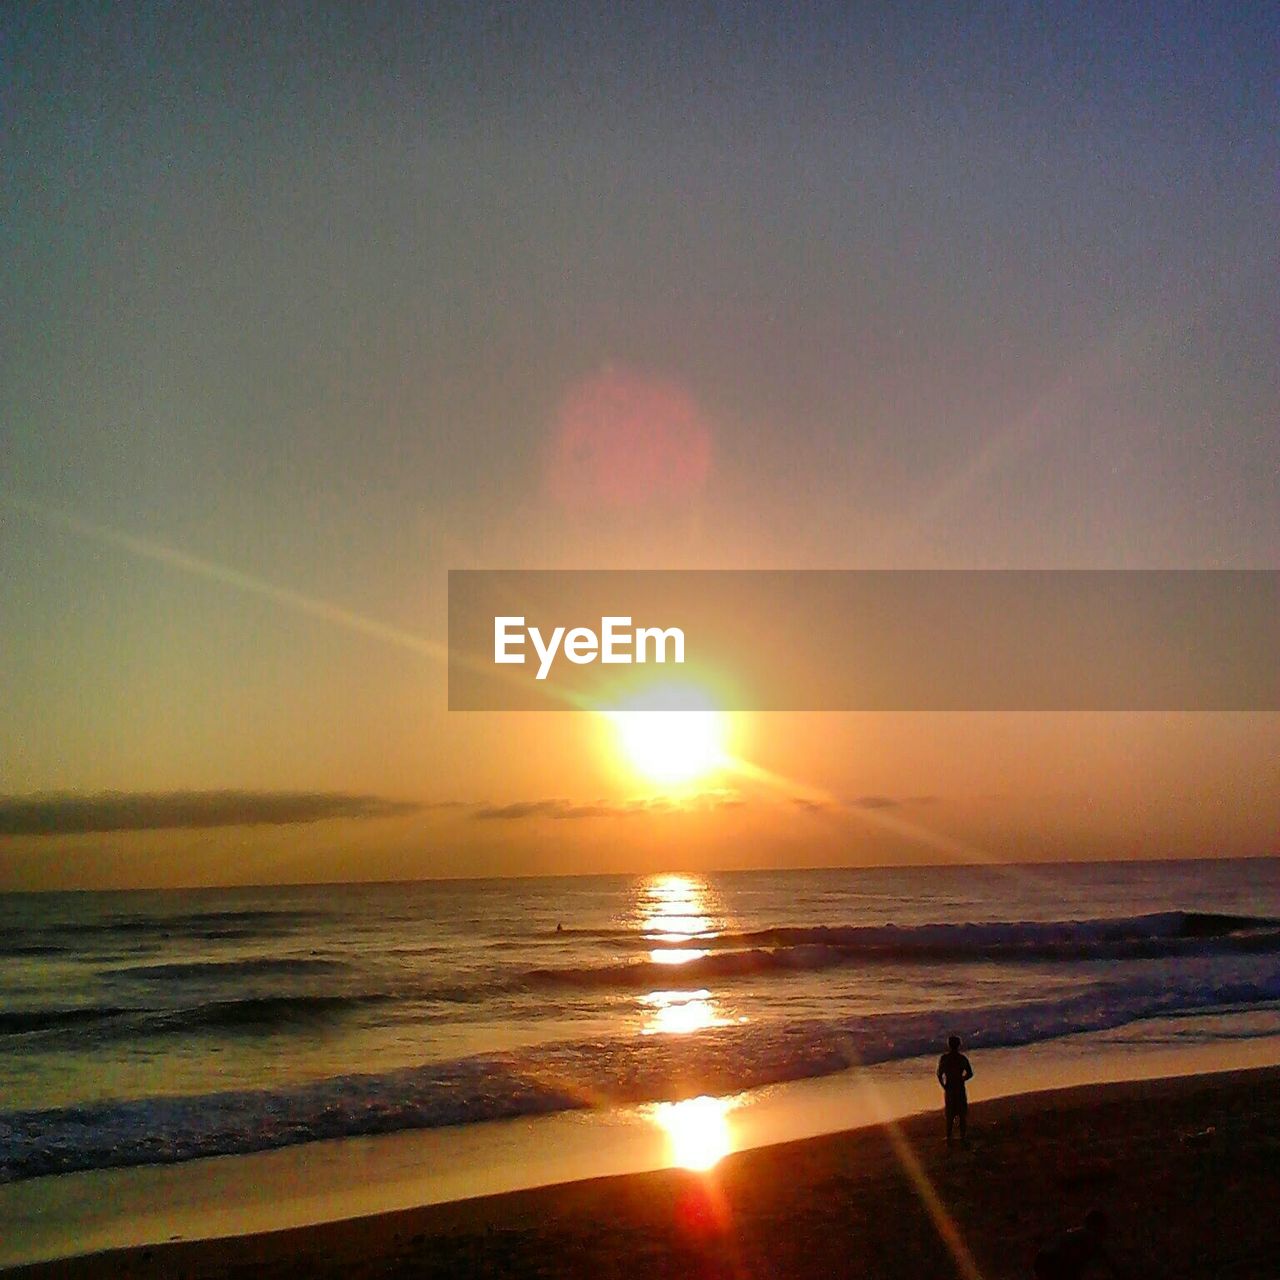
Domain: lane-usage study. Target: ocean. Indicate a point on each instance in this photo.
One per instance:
(153, 1027)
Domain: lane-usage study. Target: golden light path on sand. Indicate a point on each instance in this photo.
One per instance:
(697, 1130)
(680, 908)
(677, 908)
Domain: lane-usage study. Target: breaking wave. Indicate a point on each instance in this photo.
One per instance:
(772, 951)
(566, 1076)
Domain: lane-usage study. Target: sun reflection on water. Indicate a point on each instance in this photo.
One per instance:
(697, 1130)
(672, 928)
(677, 955)
(675, 908)
(679, 1012)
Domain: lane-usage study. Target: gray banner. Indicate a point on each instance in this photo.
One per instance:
(913, 640)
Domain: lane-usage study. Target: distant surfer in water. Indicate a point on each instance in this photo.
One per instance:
(953, 1071)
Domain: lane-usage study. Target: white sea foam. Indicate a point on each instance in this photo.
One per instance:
(568, 1075)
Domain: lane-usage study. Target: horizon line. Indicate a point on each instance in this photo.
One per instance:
(641, 875)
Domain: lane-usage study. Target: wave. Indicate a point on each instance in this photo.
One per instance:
(22, 1021)
(772, 951)
(1155, 926)
(253, 966)
(568, 1076)
(262, 1014)
(206, 919)
(122, 936)
(266, 1013)
(196, 924)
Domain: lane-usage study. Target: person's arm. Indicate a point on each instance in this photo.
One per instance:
(968, 1070)
(941, 1081)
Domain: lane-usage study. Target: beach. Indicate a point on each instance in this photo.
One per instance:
(1185, 1167)
(591, 595)
(438, 1078)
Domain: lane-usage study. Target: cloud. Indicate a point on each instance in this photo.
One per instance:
(810, 805)
(813, 804)
(59, 814)
(521, 809)
(889, 802)
(720, 800)
(550, 809)
(567, 809)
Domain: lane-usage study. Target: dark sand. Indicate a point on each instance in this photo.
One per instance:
(1188, 1169)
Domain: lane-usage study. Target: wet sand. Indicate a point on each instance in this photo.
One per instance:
(1188, 1169)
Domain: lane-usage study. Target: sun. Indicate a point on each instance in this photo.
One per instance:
(672, 747)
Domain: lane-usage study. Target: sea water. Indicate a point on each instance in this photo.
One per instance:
(152, 1027)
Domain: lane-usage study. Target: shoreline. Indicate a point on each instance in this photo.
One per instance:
(892, 1192)
(313, 1183)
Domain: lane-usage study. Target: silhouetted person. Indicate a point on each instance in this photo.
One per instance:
(953, 1071)
(1077, 1253)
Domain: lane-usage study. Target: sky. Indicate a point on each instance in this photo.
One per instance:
(306, 305)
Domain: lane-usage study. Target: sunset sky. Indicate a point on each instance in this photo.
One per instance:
(305, 306)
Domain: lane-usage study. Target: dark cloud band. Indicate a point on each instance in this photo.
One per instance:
(48, 815)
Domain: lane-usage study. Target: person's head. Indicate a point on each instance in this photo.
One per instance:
(954, 1044)
(1096, 1222)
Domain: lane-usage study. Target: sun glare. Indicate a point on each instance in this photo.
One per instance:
(697, 1130)
(672, 747)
